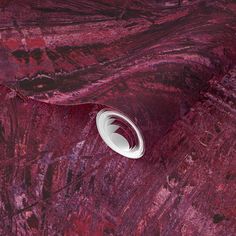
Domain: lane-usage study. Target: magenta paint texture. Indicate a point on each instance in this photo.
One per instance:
(169, 66)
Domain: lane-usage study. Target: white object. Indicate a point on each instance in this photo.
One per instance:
(107, 128)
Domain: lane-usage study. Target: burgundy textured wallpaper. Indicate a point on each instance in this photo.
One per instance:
(169, 66)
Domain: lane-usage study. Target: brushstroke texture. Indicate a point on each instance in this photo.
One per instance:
(170, 65)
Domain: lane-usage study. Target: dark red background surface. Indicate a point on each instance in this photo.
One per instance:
(167, 64)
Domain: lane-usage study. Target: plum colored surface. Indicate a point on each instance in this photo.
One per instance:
(169, 65)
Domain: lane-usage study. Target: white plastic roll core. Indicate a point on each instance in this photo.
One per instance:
(108, 124)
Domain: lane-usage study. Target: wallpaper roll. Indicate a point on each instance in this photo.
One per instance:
(85, 84)
(151, 72)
